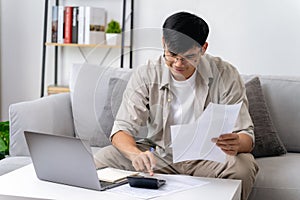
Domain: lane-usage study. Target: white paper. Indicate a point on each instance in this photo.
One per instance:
(193, 141)
(114, 175)
(174, 183)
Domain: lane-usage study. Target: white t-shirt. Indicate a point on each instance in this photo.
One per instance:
(182, 104)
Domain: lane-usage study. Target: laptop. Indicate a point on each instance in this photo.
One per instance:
(65, 160)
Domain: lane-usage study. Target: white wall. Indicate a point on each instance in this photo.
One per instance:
(258, 37)
(21, 48)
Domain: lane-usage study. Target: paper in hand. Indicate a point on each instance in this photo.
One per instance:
(193, 141)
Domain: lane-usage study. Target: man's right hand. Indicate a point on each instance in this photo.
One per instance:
(145, 162)
(141, 161)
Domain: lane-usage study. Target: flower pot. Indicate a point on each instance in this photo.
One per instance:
(113, 38)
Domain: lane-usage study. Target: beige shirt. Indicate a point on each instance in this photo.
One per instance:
(148, 96)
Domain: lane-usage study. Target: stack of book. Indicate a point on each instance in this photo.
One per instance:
(79, 25)
(55, 89)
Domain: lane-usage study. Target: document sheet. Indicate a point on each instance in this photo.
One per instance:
(174, 183)
(193, 141)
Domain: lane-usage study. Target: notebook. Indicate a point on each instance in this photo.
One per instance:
(65, 160)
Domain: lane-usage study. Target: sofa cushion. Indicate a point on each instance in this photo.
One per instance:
(282, 95)
(51, 114)
(96, 93)
(267, 142)
(277, 178)
(114, 97)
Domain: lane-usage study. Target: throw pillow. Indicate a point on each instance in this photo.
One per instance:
(91, 86)
(267, 142)
(114, 97)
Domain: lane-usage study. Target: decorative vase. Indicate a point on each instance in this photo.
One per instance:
(113, 38)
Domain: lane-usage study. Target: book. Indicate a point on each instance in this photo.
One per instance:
(75, 25)
(56, 89)
(80, 33)
(54, 24)
(81, 25)
(95, 23)
(114, 175)
(68, 24)
(60, 25)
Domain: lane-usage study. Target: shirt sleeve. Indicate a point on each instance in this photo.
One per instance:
(133, 112)
(233, 92)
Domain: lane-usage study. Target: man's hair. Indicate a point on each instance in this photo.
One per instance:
(183, 30)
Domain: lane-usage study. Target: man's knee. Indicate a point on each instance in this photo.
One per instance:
(242, 167)
(109, 156)
(245, 167)
(101, 157)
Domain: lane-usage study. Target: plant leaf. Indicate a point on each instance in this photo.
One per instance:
(3, 146)
(4, 138)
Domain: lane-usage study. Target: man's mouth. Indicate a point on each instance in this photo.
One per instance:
(179, 69)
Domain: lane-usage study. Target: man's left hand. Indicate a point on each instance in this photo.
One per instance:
(229, 143)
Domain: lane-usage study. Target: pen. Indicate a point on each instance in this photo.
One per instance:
(151, 149)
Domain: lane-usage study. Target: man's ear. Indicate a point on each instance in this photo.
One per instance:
(204, 47)
(163, 41)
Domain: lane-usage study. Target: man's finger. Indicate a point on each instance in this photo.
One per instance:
(228, 136)
(146, 162)
(214, 140)
(138, 164)
(152, 162)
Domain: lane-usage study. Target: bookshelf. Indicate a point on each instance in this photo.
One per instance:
(72, 45)
(54, 89)
(86, 45)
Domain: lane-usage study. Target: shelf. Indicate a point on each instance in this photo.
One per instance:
(122, 47)
(57, 89)
(86, 45)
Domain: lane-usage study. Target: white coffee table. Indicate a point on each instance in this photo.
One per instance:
(24, 183)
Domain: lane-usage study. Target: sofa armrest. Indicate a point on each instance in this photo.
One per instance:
(51, 114)
(12, 163)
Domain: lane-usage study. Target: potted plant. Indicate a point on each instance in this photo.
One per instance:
(4, 139)
(113, 30)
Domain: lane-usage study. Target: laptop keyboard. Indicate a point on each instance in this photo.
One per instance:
(105, 183)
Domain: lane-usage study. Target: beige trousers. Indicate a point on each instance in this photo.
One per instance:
(242, 166)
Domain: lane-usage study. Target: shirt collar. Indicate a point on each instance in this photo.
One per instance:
(166, 74)
(205, 68)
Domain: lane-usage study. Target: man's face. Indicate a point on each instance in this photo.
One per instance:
(182, 66)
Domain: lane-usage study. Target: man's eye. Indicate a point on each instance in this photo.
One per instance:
(191, 57)
(172, 54)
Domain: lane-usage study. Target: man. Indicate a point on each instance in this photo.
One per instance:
(175, 90)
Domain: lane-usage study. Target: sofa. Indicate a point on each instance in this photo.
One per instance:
(95, 95)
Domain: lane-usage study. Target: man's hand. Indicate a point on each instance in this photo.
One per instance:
(145, 162)
(141, 161)
(233, 143)
(229, 143)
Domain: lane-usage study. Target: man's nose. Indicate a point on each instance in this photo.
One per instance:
(179, 61)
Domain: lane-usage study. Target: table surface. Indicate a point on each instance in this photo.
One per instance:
(22, 184)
